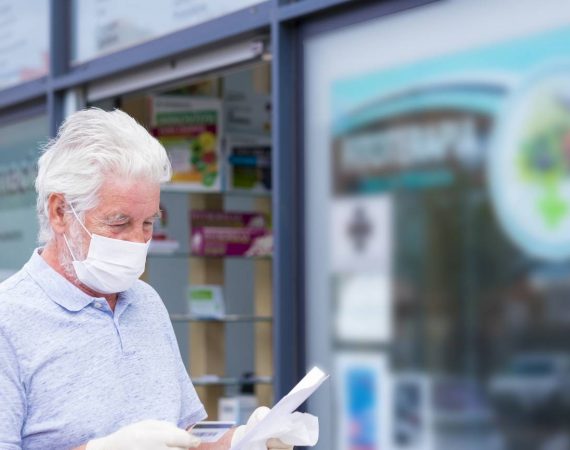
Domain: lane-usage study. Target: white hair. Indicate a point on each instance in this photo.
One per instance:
(90, 146)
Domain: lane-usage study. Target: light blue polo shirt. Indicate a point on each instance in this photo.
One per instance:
(72, 370)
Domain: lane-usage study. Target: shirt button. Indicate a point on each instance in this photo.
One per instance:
(98, 305)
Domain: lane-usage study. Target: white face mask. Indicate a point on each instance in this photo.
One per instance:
(112, 265)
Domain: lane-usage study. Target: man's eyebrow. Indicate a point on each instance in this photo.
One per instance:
(116, 217)
(120, 217)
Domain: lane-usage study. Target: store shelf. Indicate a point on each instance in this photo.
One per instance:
(230, 318)
(191, 255)
(197, 191)
(227, 381)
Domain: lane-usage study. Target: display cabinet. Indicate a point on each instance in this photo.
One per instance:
(223, 353)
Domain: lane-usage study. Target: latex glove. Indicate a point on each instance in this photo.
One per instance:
(257, 416)
(146, 435)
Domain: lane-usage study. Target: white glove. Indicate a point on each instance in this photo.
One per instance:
(146, 435)
(257, 416)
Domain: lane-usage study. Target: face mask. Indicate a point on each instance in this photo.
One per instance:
(112, 265)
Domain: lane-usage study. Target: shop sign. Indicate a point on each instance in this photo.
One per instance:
(409, 145)
(529, 165)
(417, 150)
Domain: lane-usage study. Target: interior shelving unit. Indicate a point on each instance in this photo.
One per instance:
(218, 381)
(227, 318)
(218, 344)
(221, 353)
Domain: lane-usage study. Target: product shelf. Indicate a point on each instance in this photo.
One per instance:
(212, 380)
(194, 256)
(182, 189)
(230, 318)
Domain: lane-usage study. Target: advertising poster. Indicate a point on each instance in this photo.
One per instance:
(190, 130)
(247, 101)
(363, 390)
(499, 113)
(361, 230)
(413, 412)
(230, 233)
(364, 308)
(248, 164)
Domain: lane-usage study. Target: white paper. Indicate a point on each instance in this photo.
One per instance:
(274, 419)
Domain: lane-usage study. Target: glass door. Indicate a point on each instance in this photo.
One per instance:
(436, 226)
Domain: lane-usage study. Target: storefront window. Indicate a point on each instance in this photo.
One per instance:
(24, 48)
(216, 131)
(438, 237)
(105, 26)
(19, 150)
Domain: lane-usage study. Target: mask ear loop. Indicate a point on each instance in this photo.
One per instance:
(79, 220)
(80, 223)
(69, 247)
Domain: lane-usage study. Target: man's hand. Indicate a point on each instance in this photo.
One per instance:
(146, 435)
(277, 444)
(257, 416)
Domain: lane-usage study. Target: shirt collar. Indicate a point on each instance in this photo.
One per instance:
(58, 288)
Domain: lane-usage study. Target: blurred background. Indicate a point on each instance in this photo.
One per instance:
(392, 179)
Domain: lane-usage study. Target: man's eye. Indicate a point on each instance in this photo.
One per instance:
(116, 225)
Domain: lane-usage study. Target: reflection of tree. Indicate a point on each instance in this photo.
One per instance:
(454, 267)
(451, 251)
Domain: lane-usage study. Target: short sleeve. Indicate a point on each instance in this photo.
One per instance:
(12, 397)
(191, 408)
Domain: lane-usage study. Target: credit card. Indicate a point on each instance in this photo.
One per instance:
(211, 431)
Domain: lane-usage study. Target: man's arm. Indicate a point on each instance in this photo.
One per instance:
(12, 393)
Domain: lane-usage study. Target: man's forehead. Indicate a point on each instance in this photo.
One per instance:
(126, 193)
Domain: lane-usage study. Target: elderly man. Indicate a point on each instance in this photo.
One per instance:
(88, 357)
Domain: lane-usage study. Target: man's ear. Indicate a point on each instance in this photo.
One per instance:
(56, 213)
